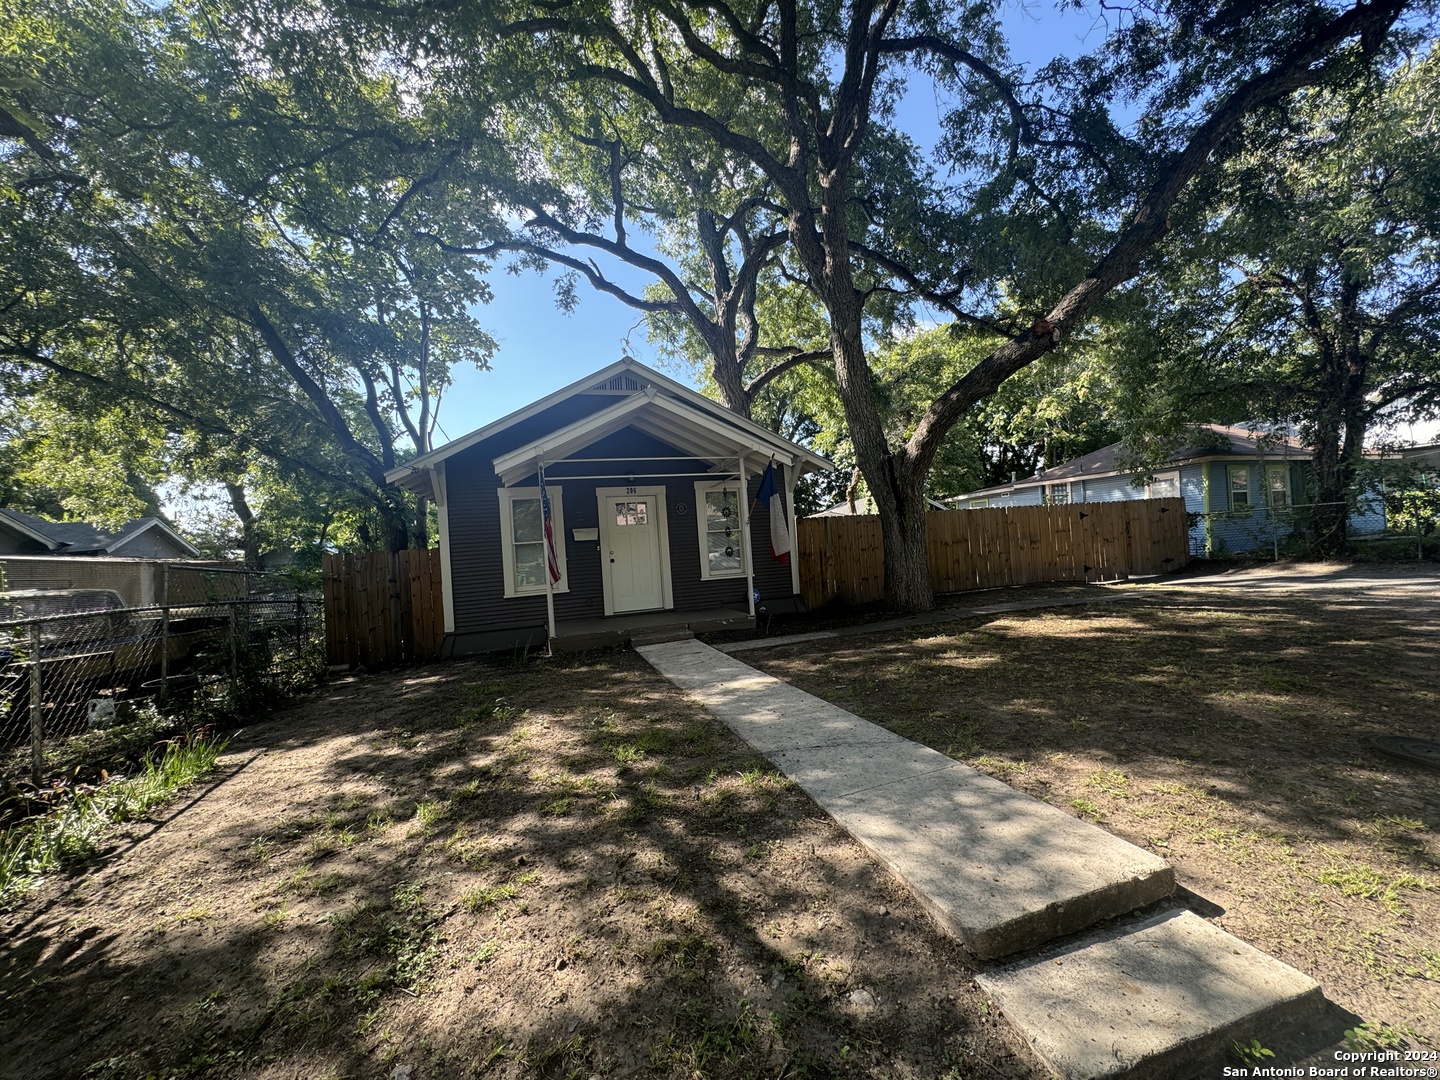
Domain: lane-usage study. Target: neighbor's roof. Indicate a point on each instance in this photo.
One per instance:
(644, 407)
(864, 504)
(1109, 460)
(83, 538)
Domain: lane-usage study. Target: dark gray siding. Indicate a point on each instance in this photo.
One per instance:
(481, 606)
(153, 544)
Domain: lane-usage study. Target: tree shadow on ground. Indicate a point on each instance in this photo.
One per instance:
(552, 869)
(1228, 733)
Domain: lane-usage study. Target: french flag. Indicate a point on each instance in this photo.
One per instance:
(769, 494)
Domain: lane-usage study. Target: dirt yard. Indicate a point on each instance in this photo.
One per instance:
(553, 870)
(1226, 730)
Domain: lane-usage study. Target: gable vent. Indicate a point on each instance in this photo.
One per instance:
(624, 381)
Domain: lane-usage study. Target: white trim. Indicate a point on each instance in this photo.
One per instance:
(190, 549)
(1230, 472)
(745, 529)
(701, 488)
(519, 463)
(794, 532)
(1282, 469)
(507, 538)
(21, 527)
(407, 475)
(659, 494)
(442, 515)
(1171, 475)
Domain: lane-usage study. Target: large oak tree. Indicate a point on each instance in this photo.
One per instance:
(1065, 179)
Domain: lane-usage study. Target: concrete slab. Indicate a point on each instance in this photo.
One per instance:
(1166, 997)
(1001, 871)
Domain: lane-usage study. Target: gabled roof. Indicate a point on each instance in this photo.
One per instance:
(651, 401)
(83, 538)
(864, 504)
(1111, 460)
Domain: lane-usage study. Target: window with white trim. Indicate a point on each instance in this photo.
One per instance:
(1278, 477)
(522, 539)
(1058, 494)
(717, 515)
(1165, 486)
(1239, 487)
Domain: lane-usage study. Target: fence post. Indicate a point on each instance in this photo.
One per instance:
(234, 652)
(37, 720)
(164, 629)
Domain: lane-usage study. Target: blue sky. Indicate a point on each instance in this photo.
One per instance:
(543, 349)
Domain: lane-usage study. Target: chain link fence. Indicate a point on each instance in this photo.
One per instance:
(1277, 531)
(82, 669)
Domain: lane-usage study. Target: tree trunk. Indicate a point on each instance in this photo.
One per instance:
(907, 562)
(1344, 366)
(249, 544)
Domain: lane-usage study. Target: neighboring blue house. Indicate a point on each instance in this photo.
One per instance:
(1244, 487)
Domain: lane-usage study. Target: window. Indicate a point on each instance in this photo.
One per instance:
(522, 539)
(632, 512)
(1279, 487)
(717, 513)
(1239, 487)
(1059, 494)
(1166, 486)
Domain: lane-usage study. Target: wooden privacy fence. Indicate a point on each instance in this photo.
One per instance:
(383, 608)
(842, 558)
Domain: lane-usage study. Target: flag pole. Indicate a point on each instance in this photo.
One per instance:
(549, 585)
(745, 552)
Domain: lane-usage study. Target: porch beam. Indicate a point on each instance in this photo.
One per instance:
(622, 476)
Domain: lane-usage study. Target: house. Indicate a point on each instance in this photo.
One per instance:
(143, 538)
(654, 516)
(1425, 458)
(1244, 487)
(864, 504)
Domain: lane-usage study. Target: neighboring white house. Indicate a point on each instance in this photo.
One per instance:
(1244, 487)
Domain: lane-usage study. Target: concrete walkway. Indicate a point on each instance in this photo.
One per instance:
(1006, 874)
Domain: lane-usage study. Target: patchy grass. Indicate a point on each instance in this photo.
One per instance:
(71, 832)
(1229, 734)
(553, 869)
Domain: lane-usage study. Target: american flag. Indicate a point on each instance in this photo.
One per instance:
(551, 561)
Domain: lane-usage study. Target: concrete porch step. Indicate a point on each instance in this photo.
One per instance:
(1169, 996)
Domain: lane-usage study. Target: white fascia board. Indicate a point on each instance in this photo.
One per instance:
(21, 527)
(190, 548)
(519, 463)
(398, 474)
(407, 475)
(694, 397)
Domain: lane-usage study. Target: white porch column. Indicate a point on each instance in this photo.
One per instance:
(794, 528)
(442, 515)
(745, 532)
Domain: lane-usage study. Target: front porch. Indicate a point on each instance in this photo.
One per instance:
(576, 635)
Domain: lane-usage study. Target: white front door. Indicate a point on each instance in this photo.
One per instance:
(633, 549)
